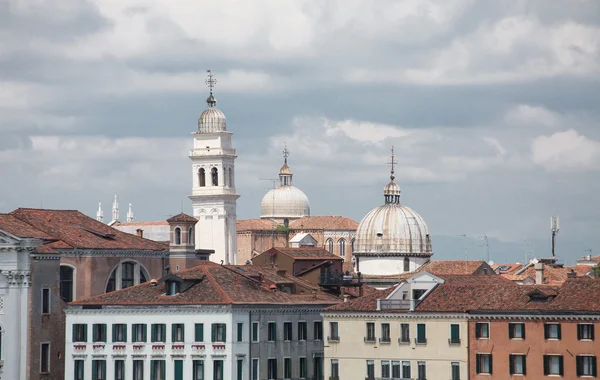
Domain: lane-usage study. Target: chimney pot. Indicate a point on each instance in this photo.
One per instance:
(539, 273)
(139, 232)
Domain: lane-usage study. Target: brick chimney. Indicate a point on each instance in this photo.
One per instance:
(539, 273)
(571, 274)
(139, 232)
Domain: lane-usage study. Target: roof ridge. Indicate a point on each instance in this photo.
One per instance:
(220, 290)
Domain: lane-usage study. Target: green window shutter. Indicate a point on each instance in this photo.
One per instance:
(213, 333)
(523, 331)
(559, 332)
(477, 330)
(491, 364)
(114, 333)
(94, 333)
(546, 366)
(74, 336)
(579, 334)
(454, 333)
(578, 361)
(85, 333)
(546, 331)
(421, 332)
(561, 367)
(124, 333)
(153, 332)
(178, 369)
(105, 331)
(133, 333)
(524, 361)
(477, 363)
(594, 368)
(511, 333)
(94, 370)
(103, 369)
(199, 332)
(511, 364)
(182, 332)
(173, 332)
(152, 365)
(144, 330)
(224, 340)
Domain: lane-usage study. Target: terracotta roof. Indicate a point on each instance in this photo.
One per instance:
(306, 253)
(512, 267)
(255, 224)
(331, 223)
(441, 267)
(215, 284)
(155, 223)
(74, 230)
(18, 228)
(183, 218)
(368, 302)
(552, 275)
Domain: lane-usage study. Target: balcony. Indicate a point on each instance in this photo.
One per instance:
(421, 341)
(453, 341)
(212, 152)
(397, 304)
(370, 339)
(118, 347)
(198, 346)
(98, 346)
(79, 347)
(404, 340)
(158, 346)
(333, 339)
(218, 346)
(178, 347)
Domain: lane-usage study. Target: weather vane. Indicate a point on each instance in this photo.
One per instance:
(210, 81)
(286, 153)
(392, 163)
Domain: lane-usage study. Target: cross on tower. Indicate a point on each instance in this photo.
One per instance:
(392, 163)
(286, 153)
(210, 81)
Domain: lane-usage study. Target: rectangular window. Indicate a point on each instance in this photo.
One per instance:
(157, 369)
(385, 333)
(333, 331)
(553, 365)
(79, 370)
(199, 333)
(271, 331)
(255, 326)
(45, 358)
(254, 369)
(98, 369)
(287, 368)
(99, 332)
(119, 333)
(454, 334)
(219, 332)
(421, 371)
(455, 371)
(404, 333)
(218, 370)
(272, 369)
(45, 301)
(119, 369)
(370, 333)
(335, 368)
(585, 331)
(138, 370)
(302, 368)
(66, 283)
(483, 363)
(406, 373)
(178, 370)
(516, 330)
(371, 369)
(158, 332)
(177, 332)
(198, 370)
(287, 330)
(421, 333)
(240, 369)
(552, 331)
(396, 371)
(318, 330)
(138, 332)
(482, 330)
(79, 332)
(385, 369)
(516, 364)
(586, 365)
(240, 332)
(302, 331)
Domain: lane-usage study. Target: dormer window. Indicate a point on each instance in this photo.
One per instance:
(172, 288)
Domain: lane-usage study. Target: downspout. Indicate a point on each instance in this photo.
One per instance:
(250, 344)
(468, 347)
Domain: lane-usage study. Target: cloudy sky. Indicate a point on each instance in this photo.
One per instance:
(493, 107)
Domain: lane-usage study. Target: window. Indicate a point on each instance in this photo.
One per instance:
(406, 264)
(199, 332)
(45, 301)
(302, 331)
(516, 330)
(482, 330)
(287, 368)
(421, 371)
(79, 333)
(45, 358)
(240, 369)
(396, 371)
(517, 364)
(553, 365)
(272, 369)
(335, 368)
(352, 246)
(385, 333)
(119, 369)
(404, 333)
(190, 236)
(157, 369)
(385, 369)
(198, 370)
(455, 371)
(138, 332)
(219, 332)
(214, 172)
(177, 234)
(172, 287)
(254, 369)
(342, 244)
(333, 331)
(272, 332)
(178, 370)
(177, 332)
(119, 333)
(586, 365)
(98, 369)
(255, 331)
(370, 332)
(138, 370)
(125, 275)
(230, 177)
(318, 330)
(454, 334)
(330, 245)
(406, 370)
(287, 330)
(66, 283)
(202, 177)
(552, 331)
(158, 332)
(483, 363)
(421, 334)
(585, 331)
(370, 369)
(99, 332)
(240, 332)
(79, 370)
(302, 368)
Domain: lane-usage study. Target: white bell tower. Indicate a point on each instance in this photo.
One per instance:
(213, 183)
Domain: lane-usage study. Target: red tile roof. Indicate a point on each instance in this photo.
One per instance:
(306, 253)
(255, 224)
(18, 228)
(552, 275)
(151, 223)
(441, 267)
(182, 218)
(330, 223)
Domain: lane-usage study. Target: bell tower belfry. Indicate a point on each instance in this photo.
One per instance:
(214, 199)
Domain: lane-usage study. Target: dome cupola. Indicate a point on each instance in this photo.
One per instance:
(212, 119)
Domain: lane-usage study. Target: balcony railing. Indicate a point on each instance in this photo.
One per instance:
(453, 341)
(338, 279)
(370, 339)
(421, 341)
(212, 152)
(398, 304)
(403, 340)
(385, 340)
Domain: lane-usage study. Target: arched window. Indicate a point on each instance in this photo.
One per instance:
(406, 264)
(191, 236)
(202, 177)
(126, 274)
(177, 233)
(225, 177)
(342, 244)
(230, 177)
(215, 176)
(352, 246)
(66, 283)
(330, 245)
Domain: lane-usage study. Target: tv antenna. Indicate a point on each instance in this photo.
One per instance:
(464, 236)
(554, 227)
(486, 246)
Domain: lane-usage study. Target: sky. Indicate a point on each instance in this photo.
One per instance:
(492, 108)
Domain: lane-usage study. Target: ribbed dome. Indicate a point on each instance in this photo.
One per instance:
(285, 202)
(212, 120)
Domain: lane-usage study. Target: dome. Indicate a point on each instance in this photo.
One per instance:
(212, 120)
(285, 202)
(285, 169)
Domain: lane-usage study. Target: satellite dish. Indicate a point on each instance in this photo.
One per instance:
(490, 263)
(535, 261)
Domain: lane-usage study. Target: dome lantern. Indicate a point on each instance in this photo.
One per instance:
(212, 119)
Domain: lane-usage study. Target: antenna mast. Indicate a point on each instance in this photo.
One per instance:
(554, 227)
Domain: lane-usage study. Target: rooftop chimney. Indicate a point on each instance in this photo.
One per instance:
(139, 232)
(539, 273)
(571, 274)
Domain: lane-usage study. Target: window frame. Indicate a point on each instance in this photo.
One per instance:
(272, 367)
(195, 364)
(45, 369)
(318, 331)
(158, 333)
(479, 330)
(198, 332)
(334, 328)
(512, 329)
(63, 282)
(421, 364)
(579, 365)
(386, 366)
(46, 301)
(240, 332)
(370, 368)
(178, 332)
(79, 369)
(512, 364)
(479, 357)
(302, 367)
(287, 368)
(404, 338)
(99, 329)
(255, 370)
(98, 364)
(122, 328)
(548, 331)
(79, 336)
(548, 371)
(255, 332)
(451, 339)
(271, 331)
(370, 336)
(586, 329)
(218, 329)
(423, 339)
(288, 334)
(302, 331)
(406, 369)
(454, 366)
(122, 369)
(138, 369)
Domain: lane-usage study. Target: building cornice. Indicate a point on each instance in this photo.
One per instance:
(114, 253)
(48, 256)
(540, 316)
(149, 310)
(371, 315)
